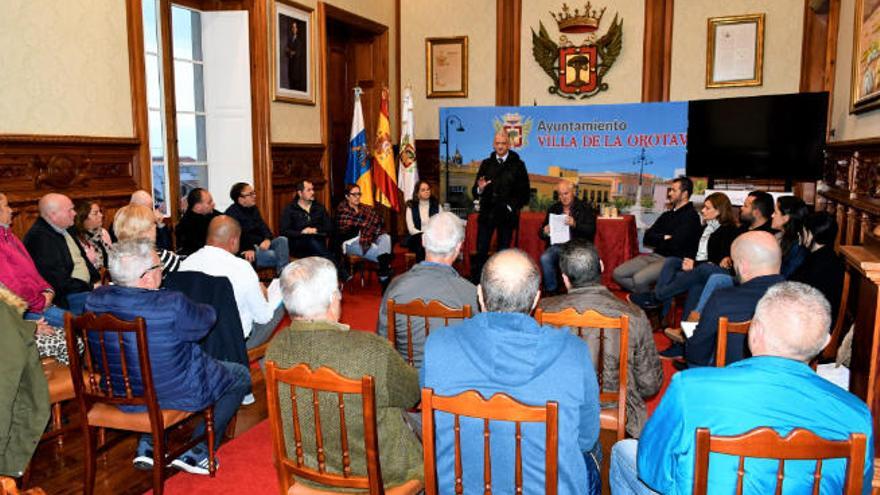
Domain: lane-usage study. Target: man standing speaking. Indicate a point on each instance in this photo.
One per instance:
(502, 187)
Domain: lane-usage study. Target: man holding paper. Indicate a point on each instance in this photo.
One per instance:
(567, 219)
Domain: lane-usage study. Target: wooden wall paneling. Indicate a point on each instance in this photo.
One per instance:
(507, 61)
(137, 76)
(428, 159)
(321, 16)
(657, 50)
(260, 108)
(831, 56)
(290, 164)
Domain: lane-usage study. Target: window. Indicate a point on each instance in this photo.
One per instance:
(155, 105)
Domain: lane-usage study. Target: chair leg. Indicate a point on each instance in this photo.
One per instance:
(209, 426)
(102, 439)
(230, 428)
(90, 458)
(56, 422)
(159, 462)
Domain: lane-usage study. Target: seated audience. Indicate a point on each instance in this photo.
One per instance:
(192, 229)
(306, 224)
(362, 231)
(504, 350)
(315, 337)
(756, 259)
(756, 212)
(59, 258)
(433, 279)
(675, 233)
(163, 232)
(582, 276)
(258, 244)
(689, 274)
(90, 232)
(137, 222)
(218, 258)
(581, 220)
(822, 268)
(419, 209)
(775, 388)
(184, 377)
(788, 220)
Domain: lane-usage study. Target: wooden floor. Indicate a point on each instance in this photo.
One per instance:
(58, 469)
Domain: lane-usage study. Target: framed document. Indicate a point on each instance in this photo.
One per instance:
(735, 51)
(866, 57)
(446, 67)
(293, 57)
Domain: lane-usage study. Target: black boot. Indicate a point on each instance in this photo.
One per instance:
(384, 261)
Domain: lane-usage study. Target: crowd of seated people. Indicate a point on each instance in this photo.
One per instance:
(501, 349)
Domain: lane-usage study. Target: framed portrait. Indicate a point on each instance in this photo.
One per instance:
(735, 51)
(446, 67)
(293, 52)
(866, 57)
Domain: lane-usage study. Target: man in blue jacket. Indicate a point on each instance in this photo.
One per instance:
(504, 350)
(185, 377)
(775, 388)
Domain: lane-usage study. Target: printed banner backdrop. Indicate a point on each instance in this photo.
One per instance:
(602, 148)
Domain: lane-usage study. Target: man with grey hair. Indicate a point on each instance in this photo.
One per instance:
(431, 280)
(184, 376)
(317, 338)
(504, 350)
(580, 220)
(581, 274)
(776, 388)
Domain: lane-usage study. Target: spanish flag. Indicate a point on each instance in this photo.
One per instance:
(358, 169)
(383, 159)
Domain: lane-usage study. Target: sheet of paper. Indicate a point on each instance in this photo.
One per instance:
(559, 232)
(274, 293)
(689, 327)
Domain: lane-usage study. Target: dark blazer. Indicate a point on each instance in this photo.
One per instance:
(225, 339)
(253, 228)
(509, 187)
(185, 377)
(823, 269)
(720, 241)
(737, 304)
(584, 220)
(49, 251)
(192, 231)
(684, 227)
(294, 219)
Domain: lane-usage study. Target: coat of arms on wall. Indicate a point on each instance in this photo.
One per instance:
(577, 71)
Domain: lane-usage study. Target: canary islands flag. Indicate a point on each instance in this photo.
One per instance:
(358, 169)
(383, 159)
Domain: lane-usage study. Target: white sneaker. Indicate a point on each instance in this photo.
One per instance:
(248, 400)
(189, 463)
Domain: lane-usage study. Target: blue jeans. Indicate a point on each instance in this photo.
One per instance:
(674, 281)
(53, 314)
(550, 266)
(623, 476)
(382, 245)
(713, 283)
(278, 254)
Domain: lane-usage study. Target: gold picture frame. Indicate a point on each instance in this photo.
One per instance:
(446, 67)
(735, 51)
(865, 84)
(293, 41)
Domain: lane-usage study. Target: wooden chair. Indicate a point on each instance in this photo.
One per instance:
(98, 400)
(60, 390)
(725, 327)
(420, 309)
(501, 407)
(609, 419)
(359, 266)
(7, 487)
(325, 380)
(765, 443)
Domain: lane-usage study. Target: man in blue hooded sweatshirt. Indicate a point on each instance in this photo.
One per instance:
(504, 350)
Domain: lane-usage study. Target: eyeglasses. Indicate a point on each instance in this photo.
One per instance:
(248, 195)
(148, 270)
(354, 194)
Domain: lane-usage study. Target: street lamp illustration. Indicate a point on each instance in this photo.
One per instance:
(460, 128)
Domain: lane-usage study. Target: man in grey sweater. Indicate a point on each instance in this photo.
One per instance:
(432, 279)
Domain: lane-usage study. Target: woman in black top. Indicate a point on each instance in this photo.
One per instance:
(419, 209)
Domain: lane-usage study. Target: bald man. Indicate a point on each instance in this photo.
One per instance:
(219, 258)
(756, 259)
(502, 188)
(58, 256)
(581, 221)
(775, 388)
(503, 349)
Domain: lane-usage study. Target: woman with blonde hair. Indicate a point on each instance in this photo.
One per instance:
(139, 222)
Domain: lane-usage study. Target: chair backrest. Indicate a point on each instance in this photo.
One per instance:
(765, 443)
(7, 487)
(322, 380)
(725, 327)
(420, 309)
(591, 319)
(830, 351)
(500, 407)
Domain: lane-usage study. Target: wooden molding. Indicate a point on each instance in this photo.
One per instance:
(170, 107)
(138, 78)
(397, 75)
(657, 50)
(260, 106)
(854, 144)
(12, 139)
(508, 15)
(321, 16)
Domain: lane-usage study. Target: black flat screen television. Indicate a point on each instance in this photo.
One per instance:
(759, 137)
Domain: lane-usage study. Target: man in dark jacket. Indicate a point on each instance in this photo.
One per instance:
(258, 244)
(59, 257)
(192, 229)
(306, 224)
(581, 221)
(185, 377)
(503, 188)
(675, 233)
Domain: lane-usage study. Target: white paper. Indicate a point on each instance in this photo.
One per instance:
(559, 233)
(688, 328)
(735, 52)
(274, 293)
(838, 375)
